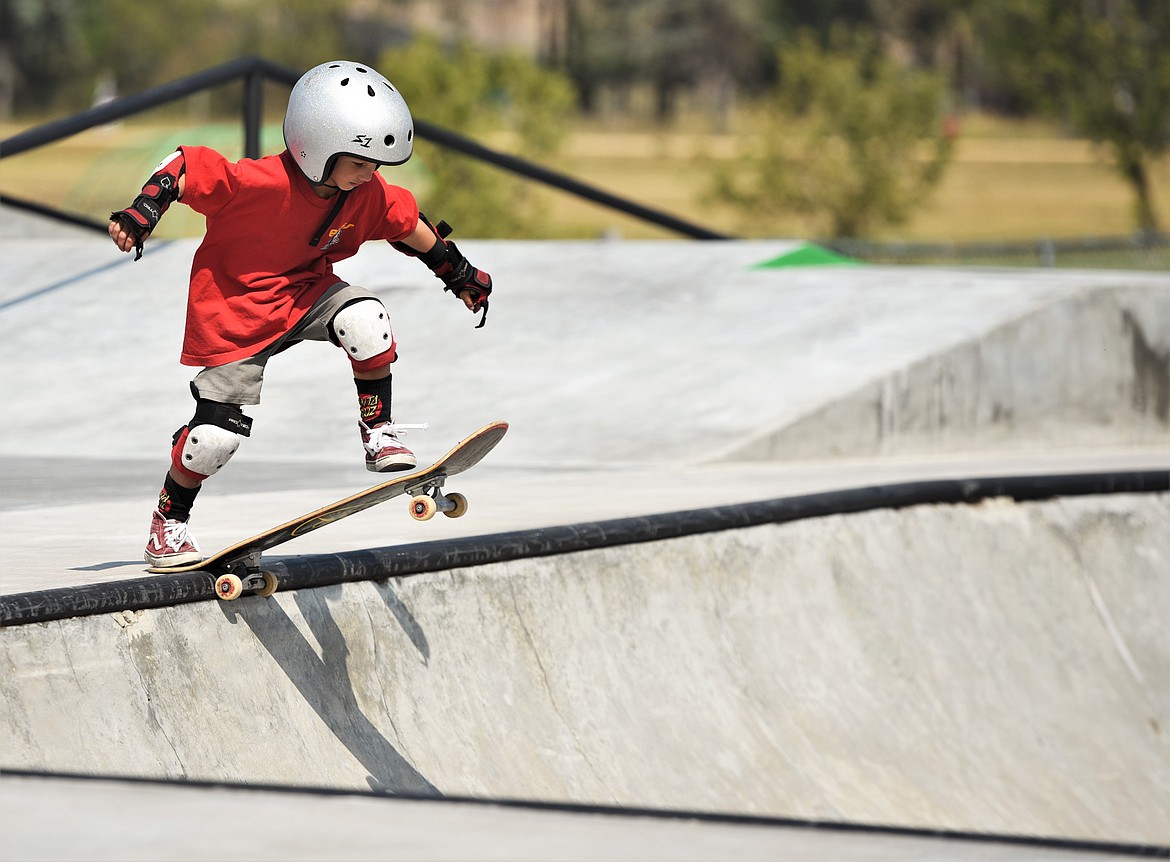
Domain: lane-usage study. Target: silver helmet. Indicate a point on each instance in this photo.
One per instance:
(344, 108)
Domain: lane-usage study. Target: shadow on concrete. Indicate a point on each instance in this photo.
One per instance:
(324, 681)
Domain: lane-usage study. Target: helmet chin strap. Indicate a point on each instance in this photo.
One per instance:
(337, 205)
(325, 183)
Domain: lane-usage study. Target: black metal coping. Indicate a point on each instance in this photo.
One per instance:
(320, 570)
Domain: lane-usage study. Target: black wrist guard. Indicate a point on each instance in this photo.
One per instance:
(161, 190)
(441, 232)
(448, 264)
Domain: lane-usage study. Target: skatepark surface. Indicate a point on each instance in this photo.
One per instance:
(916, 676)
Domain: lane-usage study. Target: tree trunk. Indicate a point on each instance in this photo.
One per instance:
(1136, 172)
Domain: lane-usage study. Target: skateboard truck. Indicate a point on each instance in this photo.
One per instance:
(242, 574)
(428, 499)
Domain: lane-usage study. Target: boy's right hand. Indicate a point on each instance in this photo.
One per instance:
(130, 227)
(129, 231)
(123, 239)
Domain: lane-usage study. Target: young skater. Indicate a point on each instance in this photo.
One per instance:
(262, 279)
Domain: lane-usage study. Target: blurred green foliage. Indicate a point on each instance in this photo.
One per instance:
(847, 136)
(1103, 66)
(53, 52)
(477, 94)
(870, 149)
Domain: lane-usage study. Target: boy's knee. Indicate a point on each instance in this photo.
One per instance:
(362, 330)
(209, 440)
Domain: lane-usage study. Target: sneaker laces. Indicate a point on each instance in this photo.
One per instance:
(176, 534)
(376, 437)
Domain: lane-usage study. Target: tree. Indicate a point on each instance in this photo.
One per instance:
(937, 34)
(665, 46)
(168, 42)
(475, 93)
(693, 42)
(296, 33)
(1103, 66)
(39, 43)
(595, 48)
(53, 51)
(847, 137)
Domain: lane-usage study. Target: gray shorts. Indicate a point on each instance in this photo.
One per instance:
(240, 382)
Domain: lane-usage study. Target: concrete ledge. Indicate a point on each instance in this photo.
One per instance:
(319, 570)
(994, 667)
(1018, 385)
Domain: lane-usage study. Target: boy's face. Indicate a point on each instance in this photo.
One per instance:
(349, 173)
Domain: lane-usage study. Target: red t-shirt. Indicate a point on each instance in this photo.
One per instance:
(255, 274)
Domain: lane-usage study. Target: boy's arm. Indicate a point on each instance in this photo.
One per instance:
(130, 227)
(430, 245)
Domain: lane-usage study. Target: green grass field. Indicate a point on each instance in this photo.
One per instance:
(1008, 181)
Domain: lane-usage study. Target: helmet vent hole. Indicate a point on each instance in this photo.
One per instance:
(410, 135)
(345, 82)
(360, 69)
(370, 90)
(389, 140)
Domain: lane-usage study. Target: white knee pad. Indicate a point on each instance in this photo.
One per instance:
(207, 448)
(362, 329)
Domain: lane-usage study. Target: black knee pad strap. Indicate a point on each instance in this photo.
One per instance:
(227, 416)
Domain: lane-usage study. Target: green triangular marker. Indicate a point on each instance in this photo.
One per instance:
(808, 255)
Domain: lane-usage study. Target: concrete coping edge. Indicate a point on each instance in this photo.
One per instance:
(375, 564)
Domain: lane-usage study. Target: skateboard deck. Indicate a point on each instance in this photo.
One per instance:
(237, 567)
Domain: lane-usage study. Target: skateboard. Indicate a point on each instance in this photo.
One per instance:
(237, 567)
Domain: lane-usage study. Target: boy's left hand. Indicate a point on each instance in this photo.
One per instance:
(474, 288)
(430, 244)
(470, 284)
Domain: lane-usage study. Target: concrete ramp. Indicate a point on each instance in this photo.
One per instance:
(1087, 369)
(645, 353)
(999, 668)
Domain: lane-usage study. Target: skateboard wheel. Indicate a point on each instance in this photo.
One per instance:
(228, 587)
(423, 508)
(269, 586)
(459, 507)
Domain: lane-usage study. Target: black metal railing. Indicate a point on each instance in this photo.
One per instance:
(253, 72)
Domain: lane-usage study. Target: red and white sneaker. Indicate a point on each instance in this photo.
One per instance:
(384, 451)
(170, 543)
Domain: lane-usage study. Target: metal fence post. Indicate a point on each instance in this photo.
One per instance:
(253, 112)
